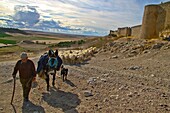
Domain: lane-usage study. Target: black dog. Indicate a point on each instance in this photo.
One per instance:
(64, 73)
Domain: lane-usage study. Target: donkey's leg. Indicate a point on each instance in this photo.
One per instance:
(47, 81)
(65, 76)
(62, 77)
(53, 83)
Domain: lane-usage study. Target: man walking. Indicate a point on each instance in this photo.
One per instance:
(27, 74)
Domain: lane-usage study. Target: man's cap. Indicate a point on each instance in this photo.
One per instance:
(24, 55)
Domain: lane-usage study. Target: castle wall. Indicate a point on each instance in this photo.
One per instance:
(166, 8)
(149, 23)
(126, 31)
(135, 31)
(113, 33)
(155, 23)
(156, 19)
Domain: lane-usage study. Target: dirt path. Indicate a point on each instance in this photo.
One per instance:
(101, 85)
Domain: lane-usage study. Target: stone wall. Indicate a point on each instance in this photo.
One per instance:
(155, 23)
(149, 25)
(135, 31)
(156, 19)
(126, 31)
(166, 8)
(113, 33)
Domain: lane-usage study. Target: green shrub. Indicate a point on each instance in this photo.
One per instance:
(7, 41)
(4, 35)
(81, 42)
(68, 43)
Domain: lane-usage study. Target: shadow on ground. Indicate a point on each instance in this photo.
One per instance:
(29, 107)
(80, 64)
(59, 99)
(70, 83)
(77, 64)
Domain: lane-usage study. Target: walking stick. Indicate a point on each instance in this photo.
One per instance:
(13, 91)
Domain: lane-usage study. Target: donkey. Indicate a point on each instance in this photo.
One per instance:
(48, 64)
(50, 69)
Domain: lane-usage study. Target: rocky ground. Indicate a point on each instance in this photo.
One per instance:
(128, 75)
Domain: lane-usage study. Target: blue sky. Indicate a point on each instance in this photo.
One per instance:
(86, 17)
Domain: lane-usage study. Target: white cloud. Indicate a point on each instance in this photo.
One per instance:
(27, 15)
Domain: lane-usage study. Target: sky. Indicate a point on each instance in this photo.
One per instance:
(83, 17)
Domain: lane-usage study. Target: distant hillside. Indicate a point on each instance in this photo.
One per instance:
(61, 35)
(4, 31)
(12, 30)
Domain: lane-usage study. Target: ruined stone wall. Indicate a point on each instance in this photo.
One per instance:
(113, 33)
(135, 31)
(156, 19)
